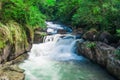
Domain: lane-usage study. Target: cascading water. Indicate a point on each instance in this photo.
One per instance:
(55, 59)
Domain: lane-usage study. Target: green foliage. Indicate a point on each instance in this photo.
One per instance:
(117, 52)
(35, 17)
(13, 33)
(91, 44)
(66, 9)
(46, 7)
(102, 15)
(22, 12)
(43, 34)
(118, 32)
(96, 13)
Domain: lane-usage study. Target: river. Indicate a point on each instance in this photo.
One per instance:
(55, 59)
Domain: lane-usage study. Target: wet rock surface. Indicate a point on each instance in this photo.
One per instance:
(11, 71)
(12, 53)
(102, 54)
(90, 35)
(39, 35)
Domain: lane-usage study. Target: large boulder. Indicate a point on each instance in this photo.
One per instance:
(14, 42)
(105, 37)
(90, 35)
(102, 54)
(78, 32)
(11, 72)
(39, 35)
(10, 52)
(61, 31)
(113, 66)
(118, 44)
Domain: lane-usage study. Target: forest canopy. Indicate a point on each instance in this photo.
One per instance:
(99, 14)
(22, 12)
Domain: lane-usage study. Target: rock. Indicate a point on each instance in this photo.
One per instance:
(11, 72)
(14, 42)
(28, 48)
(16, 68)
(78, 32)
(15, 45)
(105, 37)
(61, 31)
(1, 59)
(90, 35)
(39, 36)
(102, 54)
(39, 30)
(11, 75)
(113, 66)
(6, 50)
(102, 51)
(118, 44)
(20, 59)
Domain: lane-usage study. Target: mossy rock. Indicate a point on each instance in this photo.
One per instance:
(18, 37)
(11, 73)
(91, 35)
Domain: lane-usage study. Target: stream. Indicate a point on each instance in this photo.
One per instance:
(56, 59)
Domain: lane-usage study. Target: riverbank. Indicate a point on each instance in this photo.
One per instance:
(101, 51)
(98, 51)
(15, 42)
(15, 52)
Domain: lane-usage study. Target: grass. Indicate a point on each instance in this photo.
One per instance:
(13, 32)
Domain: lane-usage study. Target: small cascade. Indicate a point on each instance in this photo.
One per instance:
(57, 47)
(51, 38)
(55, 59)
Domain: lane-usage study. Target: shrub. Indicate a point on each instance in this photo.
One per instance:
(21, 12)
(91, 44)
(12, 32)
(117, 52)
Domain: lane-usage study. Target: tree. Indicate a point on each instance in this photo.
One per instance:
(21, 12)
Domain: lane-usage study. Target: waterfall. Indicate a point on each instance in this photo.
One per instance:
(58, 47)
(55, 59)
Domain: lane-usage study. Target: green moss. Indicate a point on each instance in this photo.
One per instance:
(118, 32)
(117, 53)
(91, 44)
(2, 44)
(43, 34)
(13, 33)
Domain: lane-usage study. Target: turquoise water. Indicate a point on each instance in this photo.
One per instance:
(70, 70)
(56, 60)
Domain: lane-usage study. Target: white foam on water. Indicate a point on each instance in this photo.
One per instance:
(57, 48)
(48, 60)
(56, 26)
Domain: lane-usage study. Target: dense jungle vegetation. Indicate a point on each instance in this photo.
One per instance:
(103, 15)
(99, 14)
